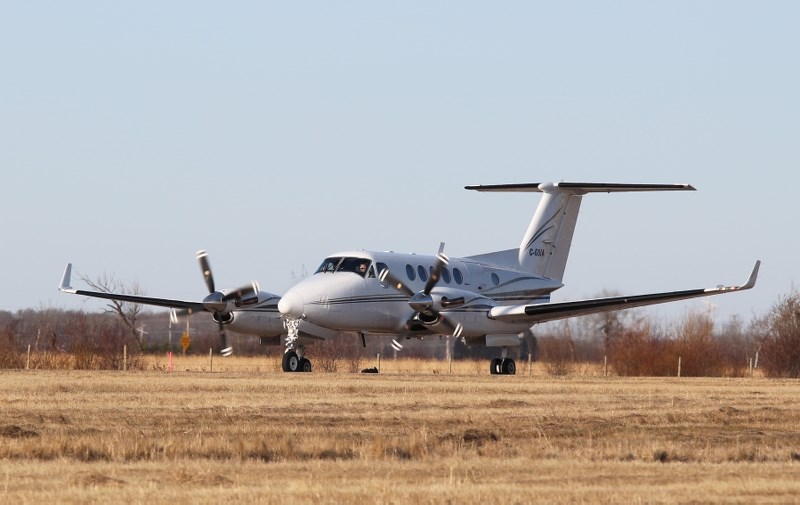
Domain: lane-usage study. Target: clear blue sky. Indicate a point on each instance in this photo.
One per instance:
(271, 134)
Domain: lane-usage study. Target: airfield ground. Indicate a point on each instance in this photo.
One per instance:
(398, 437)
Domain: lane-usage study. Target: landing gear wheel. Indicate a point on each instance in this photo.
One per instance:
(509, 367)
(305, 365)
(495, 366)
(291, 363)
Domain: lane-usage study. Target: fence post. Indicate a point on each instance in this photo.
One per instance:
(210, 359)
(679, 366)
(28, 359)
(605, 366)
(530, 365)
(379, 362)
(124, 358)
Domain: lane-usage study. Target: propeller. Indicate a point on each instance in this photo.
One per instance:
(422, 301)
(218, 302)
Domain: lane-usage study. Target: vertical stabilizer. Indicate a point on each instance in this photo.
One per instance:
(545, 247)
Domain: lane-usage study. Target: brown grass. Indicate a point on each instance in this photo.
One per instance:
(263, 436)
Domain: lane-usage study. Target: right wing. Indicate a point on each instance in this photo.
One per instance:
(146, 300)
(541, 313)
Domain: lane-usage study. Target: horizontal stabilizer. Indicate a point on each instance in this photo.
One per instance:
(578, 187)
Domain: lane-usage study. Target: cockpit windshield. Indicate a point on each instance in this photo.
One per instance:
(358, 266)
(329, 265)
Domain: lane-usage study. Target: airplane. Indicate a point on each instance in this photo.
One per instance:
(492, 299)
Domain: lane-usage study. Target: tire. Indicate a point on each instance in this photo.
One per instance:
(305, 365)
(494, 366)
(290, 363)
(509, 367)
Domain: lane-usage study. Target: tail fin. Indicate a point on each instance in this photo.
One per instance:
(545, 246)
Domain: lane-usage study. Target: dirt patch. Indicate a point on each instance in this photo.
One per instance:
(14, 431)
(95, 479)
(479, 437)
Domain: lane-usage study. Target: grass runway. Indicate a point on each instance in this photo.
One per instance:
(398, 437)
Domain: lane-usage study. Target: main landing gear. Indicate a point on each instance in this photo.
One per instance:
(503, 365)
(294, 359)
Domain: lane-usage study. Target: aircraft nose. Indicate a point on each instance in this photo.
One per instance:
(291, 304)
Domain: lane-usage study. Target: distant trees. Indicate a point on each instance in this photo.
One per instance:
(630, 343)
(61, 339)
(778, 334)
(127, 312)
(636, 346)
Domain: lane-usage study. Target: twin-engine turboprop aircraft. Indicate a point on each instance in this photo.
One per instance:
(492, 299)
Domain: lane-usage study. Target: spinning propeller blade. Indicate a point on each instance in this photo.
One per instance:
(205, 267)
(422, 302)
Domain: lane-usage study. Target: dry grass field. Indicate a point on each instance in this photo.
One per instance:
(411, 434)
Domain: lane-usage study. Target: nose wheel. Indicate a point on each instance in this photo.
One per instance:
(293, 362)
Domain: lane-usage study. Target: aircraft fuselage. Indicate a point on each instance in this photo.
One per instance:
(344, 295)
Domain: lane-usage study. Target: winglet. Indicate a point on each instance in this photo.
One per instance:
(65, 280)
(751, 281)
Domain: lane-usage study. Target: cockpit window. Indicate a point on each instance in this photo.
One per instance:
(329, 265)
(356, 265)
(360, 266)
(381, 267)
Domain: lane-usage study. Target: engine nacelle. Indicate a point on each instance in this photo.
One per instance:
(244, 302)
(222, 317)
(449, 298)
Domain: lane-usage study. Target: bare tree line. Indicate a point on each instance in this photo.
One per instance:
(631, 344)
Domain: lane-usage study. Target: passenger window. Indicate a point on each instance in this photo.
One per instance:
(410, 272)
(457, 276)
(423, 275)
(446, 275)
(495, 279)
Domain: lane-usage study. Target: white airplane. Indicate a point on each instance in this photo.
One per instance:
(492, 299)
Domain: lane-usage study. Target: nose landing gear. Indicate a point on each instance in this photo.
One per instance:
(294, 359)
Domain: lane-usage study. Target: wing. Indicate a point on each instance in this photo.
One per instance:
(553, 311)
(145, 300)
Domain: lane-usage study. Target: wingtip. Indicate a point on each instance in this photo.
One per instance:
(65, 279)
(751, 281)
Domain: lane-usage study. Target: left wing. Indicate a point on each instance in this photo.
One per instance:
(552, 311)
